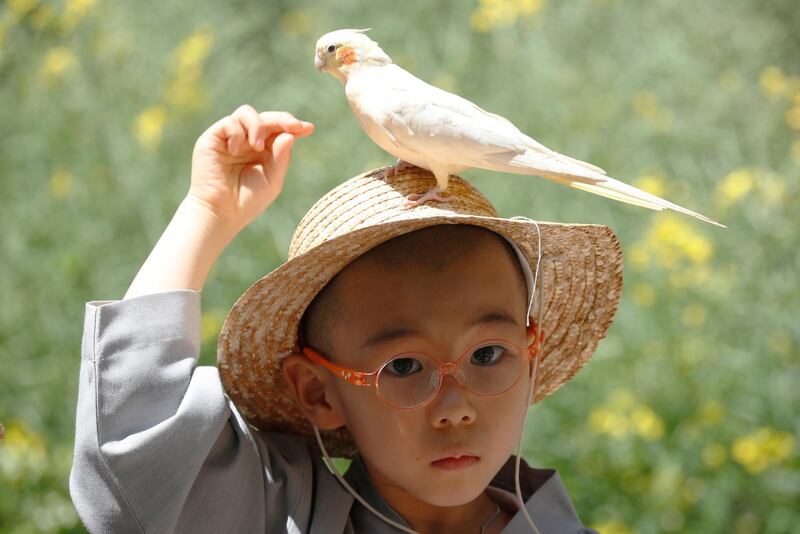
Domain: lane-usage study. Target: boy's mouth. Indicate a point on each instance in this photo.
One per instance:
(451, 463)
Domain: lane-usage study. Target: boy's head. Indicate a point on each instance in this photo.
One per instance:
(371, 280)
(439, 291)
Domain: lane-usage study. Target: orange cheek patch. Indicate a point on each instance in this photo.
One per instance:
(346, 55)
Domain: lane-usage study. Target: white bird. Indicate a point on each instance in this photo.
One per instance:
(447, 134)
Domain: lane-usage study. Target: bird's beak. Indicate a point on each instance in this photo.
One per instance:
(319, 62)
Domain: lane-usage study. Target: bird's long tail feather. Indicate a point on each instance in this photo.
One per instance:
(581, 175)
(637, 197)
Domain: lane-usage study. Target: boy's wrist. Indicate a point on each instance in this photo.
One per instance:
(185, 253)
(207, 220)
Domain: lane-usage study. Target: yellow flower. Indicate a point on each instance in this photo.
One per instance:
(673, 240)
(497, 13)
(645, 104)
(793, 118)
(714, 455)
(647, 107)
(58, 62)
(23, 453)
(771, 189)
(694, 315)
(605, 421)
(43, 17)
(762, 448)
(60, 184)
(773, 82)
(479, 21)
(613, 527)
(711, 412)
(20, 8)
(75, 11)
(193, 50)
(150, 125)
(643, 294)
(296, 22)
(529, 7)
(646, 423)
(653, 184)
(735, 186)
(185, 94)
(184, 91)
(210, 325)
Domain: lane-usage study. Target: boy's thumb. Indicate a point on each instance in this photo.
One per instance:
(282, 151)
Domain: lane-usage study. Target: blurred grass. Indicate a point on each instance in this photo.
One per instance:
(686, 418)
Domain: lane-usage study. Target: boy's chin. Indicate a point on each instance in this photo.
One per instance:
(456, 495)
(450, 491)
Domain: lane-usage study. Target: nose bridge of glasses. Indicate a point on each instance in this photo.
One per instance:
(453, 369)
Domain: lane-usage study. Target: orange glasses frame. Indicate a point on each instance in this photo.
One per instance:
(361, 378)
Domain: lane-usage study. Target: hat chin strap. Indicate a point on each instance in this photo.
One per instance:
(531, 279)
(343, 482)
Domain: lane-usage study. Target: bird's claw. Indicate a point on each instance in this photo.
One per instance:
(417, 199)
(398, 167)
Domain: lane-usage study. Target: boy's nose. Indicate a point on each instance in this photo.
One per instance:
(452, 405)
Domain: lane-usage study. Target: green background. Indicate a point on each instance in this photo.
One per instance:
(686, 418)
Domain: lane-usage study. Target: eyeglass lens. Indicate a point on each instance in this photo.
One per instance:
(407, 381)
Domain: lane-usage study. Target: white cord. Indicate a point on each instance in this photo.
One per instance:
(335, 472)
(532, 381)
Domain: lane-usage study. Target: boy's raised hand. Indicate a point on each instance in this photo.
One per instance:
(239, 163)
(238, 167)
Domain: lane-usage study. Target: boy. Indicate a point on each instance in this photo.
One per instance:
(354, 336)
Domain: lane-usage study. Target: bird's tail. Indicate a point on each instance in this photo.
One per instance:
(583, 176)
(623, 192)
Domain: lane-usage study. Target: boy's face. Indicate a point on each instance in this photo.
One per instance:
(458, 296)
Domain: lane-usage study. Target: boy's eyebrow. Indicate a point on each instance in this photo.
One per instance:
(390, 334)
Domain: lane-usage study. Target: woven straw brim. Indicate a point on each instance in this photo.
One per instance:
(581, 284)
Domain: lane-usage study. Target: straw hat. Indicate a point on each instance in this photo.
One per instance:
(581, 283)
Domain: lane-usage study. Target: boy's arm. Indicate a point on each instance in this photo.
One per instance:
(185, 253)
(157, 445)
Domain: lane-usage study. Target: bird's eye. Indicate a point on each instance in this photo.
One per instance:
(331, 49)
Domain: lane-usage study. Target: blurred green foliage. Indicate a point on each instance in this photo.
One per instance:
(686, 418)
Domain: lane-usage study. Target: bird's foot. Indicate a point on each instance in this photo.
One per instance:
(414, 200)
(398, 167)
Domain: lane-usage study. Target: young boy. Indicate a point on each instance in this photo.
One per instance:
(410, 340)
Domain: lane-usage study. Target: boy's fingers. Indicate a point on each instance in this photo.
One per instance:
(252, 124)
(234, 132)
(281, 155)
(259, 130)
(277, 121)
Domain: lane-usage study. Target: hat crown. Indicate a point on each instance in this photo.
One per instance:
(373, 198)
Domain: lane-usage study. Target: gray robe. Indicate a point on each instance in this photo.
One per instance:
(159, 447)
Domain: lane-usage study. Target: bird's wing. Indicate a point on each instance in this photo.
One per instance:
(450, 129)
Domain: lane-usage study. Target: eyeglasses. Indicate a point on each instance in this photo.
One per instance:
(410, 380)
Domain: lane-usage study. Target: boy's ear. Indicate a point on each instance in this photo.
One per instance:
(312, 392)
(533, 332)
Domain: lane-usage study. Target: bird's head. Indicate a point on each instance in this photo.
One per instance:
(341, 51)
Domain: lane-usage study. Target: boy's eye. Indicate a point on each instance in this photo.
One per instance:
(404, 366)
(331, 49)
(487, 355)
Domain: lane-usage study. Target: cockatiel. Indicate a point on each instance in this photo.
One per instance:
(447, 134)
